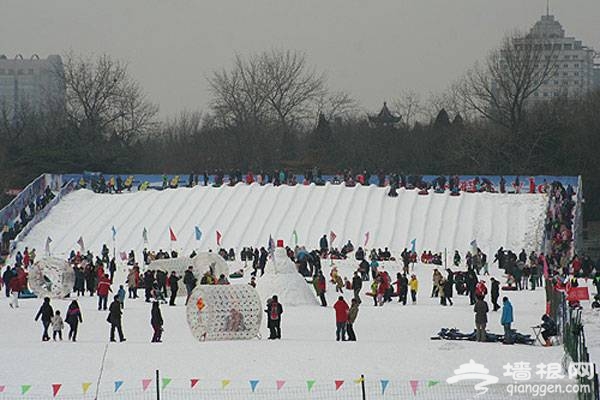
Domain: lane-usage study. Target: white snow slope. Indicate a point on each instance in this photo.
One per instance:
(247, 214)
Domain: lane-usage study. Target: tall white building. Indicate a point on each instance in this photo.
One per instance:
(30, 83)
(574, 72)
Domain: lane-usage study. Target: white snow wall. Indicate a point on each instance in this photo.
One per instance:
(247, 214)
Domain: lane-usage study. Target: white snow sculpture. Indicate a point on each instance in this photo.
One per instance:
(201, 263)
(224, 312)
(282, 278)
(51, 277)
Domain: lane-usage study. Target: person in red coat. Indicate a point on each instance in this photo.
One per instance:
(480, 289)
(531, 184)
(103, 289)
(341, 318)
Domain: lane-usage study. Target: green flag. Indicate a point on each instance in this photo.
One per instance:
(310, 384)
(25, 388)
(295, 237)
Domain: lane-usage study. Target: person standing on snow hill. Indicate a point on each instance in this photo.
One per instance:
(341, 318)
(507, 319)
(114, 318)
(495, 293)
(323, 245)
(173, 283)
(46, 312)
(352, 314)
(357, 286)
(73, 319)
(103, 289)
(57, 326)
(320, 285)
(121, 295)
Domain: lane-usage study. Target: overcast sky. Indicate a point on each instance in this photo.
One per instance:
(372, 49)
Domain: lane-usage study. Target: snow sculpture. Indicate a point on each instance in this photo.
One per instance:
(51, 277)
(202, 262)
(224, 312)
(282, 278)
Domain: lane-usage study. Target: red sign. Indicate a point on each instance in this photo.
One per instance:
(578, 294)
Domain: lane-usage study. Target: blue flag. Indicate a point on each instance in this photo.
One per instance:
(114, 232)
(384, 385)
(414, 245)
(198, 233)
(118, 385)
(253, 385)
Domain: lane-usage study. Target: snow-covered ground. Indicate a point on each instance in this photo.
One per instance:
(393, 341)
(247, 214)
(393, 344)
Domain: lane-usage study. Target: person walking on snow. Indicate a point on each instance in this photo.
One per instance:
(73, 319)
(341, 318)
(352, 314)
(114, 318)
(103, 289)
(495, 293)
(57, 326)
(274, 311)
(414, 288)
(174, 284)
(46, 312)
(156, 321)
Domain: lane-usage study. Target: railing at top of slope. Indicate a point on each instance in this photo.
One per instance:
(41, 214)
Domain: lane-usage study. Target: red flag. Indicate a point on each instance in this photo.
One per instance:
(332, 237)
(172, 235)
(123, 255)
(338, 384)
(55, 389)
(219, 236)
(366, 238)
(193, 382)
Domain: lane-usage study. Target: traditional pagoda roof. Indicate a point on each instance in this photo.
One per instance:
(385, 116)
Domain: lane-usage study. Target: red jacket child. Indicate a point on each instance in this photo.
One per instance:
(341, 310)
(104, 286)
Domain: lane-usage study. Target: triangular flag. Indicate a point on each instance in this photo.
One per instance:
(114, 232)
(367, 235)
(85, 386)
(225, 383)
(310, 384)
(80, 243)
(55, 389)
(194, 382)
(338, 384)
(165, 382)
(384, 385)
(413, 245)
(145, 235)
(146, 383)
(2, 387)
(295, 237)
(172, 235)
(332, 237)
(432, 383)
(253, 385)
(198, 233)
(219, 236)
(280, 384)
(414, 385)
(25, 388)
(359, 380)
(118, 385)
(271, 245)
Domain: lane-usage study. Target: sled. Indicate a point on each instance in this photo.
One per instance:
(454, 193)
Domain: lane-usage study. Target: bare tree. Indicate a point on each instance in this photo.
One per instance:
(102, 98)
(410, 106)
(499, 87)
(337, 105)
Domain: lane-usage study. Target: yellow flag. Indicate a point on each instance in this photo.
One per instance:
(85, 386)
(225, 383)
(359, 380)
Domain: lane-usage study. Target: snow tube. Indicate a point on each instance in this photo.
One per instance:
(509, 288)
(51, 277)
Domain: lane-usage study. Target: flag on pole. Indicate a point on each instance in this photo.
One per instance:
(114, 233)
(219, 236)
(145, 235)
(413, 244)
(295, 237)
(172, 235)
(474, 245)
(198, 233)
(48, 241)
(123, 255)
(332, 237)
(271, 245)
(367, 235)
(80, 243)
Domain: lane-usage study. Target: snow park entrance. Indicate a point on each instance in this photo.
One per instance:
(429, 287)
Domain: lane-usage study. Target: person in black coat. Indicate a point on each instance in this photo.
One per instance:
(357, 286)
(156, 321)
(46, 312)
(495, 293)
(173, 283)
(73, 319)
(274, 311)
(114, 318)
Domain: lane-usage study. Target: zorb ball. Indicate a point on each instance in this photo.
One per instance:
(224, 312)
(51, 277)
